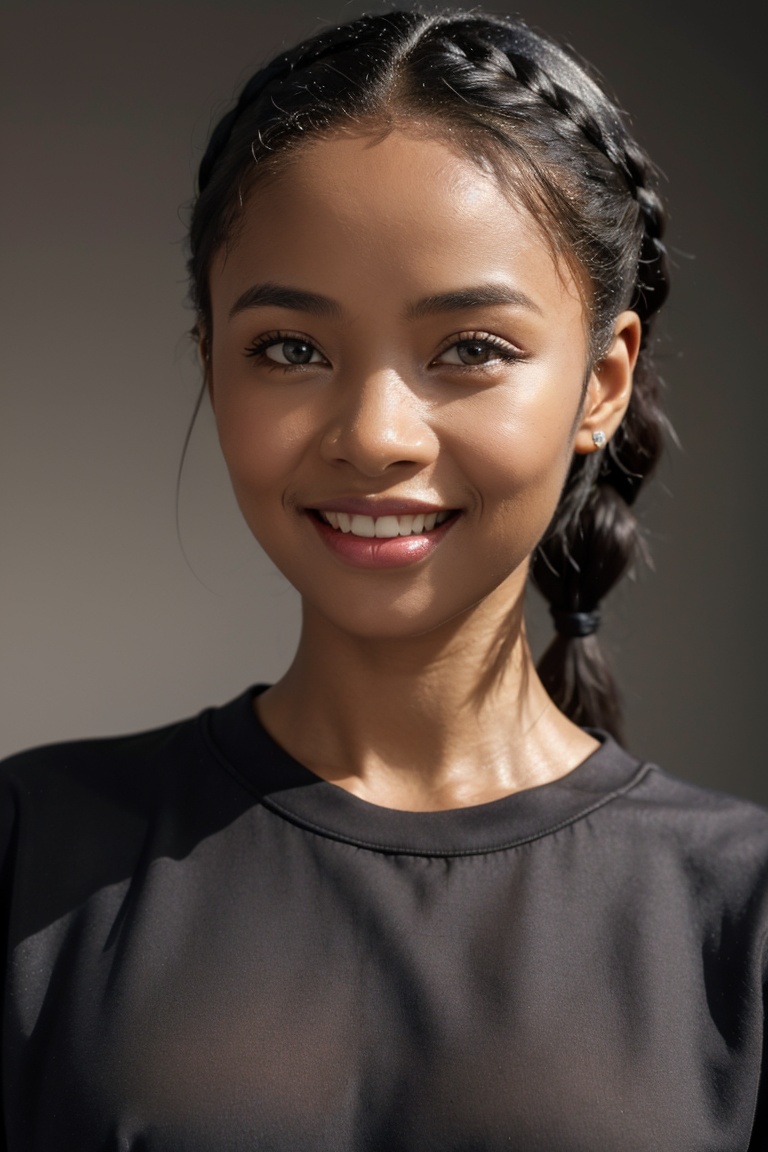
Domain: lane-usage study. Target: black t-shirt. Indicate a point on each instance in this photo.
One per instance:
(209, 949)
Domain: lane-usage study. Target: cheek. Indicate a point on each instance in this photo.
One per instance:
(522, 451)
(261, 448)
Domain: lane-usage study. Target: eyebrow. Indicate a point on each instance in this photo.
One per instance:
(481, 295)
(281, 296)
(274, 295)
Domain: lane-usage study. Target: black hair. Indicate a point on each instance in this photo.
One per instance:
(527, 108)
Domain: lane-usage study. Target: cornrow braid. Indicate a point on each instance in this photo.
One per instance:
(332, 42)
(520, 103)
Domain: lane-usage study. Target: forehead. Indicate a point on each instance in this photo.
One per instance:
(400, 169)
(401, 207)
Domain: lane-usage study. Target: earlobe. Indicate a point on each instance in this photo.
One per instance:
(610, 387)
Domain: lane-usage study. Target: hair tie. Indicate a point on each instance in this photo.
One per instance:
(575, 625)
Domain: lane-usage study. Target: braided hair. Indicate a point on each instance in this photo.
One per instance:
(525, 107)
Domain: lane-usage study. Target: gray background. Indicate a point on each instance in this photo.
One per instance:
(105, 628)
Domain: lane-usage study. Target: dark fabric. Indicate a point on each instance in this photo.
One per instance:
(209, 949)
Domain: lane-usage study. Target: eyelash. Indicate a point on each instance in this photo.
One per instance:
(257, 350)
(505, 352)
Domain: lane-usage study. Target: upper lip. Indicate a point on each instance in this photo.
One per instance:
(358, 506)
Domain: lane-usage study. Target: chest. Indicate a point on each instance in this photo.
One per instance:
(318, 1001)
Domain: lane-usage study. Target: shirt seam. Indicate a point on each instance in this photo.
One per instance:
(396, 850)
(374, 846)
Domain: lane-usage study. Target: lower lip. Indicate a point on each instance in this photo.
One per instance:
(381, 552)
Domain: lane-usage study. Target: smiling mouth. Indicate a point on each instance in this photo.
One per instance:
(385, 527)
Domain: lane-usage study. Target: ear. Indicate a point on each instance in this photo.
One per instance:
(610, 385)
(204, 356)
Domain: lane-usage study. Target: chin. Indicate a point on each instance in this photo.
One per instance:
(409, 617)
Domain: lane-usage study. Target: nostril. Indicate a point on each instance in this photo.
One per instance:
(373, 447)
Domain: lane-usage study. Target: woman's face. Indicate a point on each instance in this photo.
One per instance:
(397, 367)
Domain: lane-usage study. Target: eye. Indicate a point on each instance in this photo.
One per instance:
(476, 350)
(292, 352)
(285, 350)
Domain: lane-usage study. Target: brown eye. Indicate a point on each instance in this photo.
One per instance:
(477, 351)
(474, 351)
(292, 352)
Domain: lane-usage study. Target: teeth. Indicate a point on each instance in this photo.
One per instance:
(385, 527)
(363, 526)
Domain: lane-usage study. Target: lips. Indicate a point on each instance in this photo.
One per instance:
(381, 535)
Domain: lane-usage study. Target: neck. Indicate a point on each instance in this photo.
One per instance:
(454, 717)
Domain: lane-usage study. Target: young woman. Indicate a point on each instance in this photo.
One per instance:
(414, 895)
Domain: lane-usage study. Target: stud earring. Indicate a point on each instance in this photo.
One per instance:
(599, 438)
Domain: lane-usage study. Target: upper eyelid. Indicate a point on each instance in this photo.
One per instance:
(481, 335)
(278, 335)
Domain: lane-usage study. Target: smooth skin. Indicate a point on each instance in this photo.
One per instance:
(413, 686)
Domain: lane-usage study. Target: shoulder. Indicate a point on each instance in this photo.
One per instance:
(168, 777)
(90, 795)
(652, 804)
(704, 813)
(174, 764)
(713, 841)
(79, 817)
(101, 768)
(92, 798)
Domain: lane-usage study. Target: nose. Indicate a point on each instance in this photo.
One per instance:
(378, 422)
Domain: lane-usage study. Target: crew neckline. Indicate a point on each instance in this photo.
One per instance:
(238, 740)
